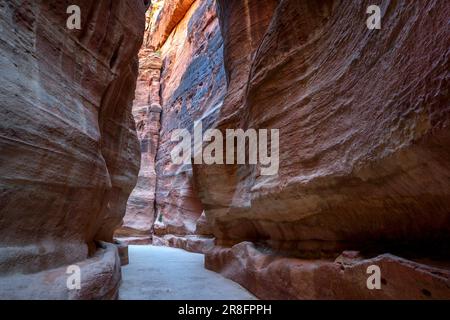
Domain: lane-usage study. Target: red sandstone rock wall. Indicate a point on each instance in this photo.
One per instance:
(167, 18)
(363, 118)
(139, 218)
(185, 37)
(193, 87)
(270, 276)
(69, 153)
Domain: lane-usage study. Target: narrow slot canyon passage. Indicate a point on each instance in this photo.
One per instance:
(224, 149)
(195, 71)
(163, 273)
(212, 65)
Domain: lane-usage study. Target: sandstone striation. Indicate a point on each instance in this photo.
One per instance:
(270, 276)
(363, 118)
(69, 155)
(140, 215)
(193, 87)
(182, 72)
(101, 276)
(191, 243)
(363, 115)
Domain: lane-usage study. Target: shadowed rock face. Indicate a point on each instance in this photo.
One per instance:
(193, 87)
(363, 118)
(270, 276)
(181, 69)
(69, 154)
(138, 221)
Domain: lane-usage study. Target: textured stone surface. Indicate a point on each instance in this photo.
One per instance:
(122, 250)
(100, 280)
(363, 118)
(166, 17)
(191, 243)
(271, 276)
(140, 214)
(184, 36)
(193, 87)
(69, 153)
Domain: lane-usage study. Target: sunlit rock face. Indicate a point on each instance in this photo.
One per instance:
(167, 14)
(363, 118)
(69, 153)
(192, 89)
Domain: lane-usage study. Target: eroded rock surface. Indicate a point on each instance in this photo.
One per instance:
(270, 276)
(191, 243)
(181, 69)
(69, 155)
(193, 87)
(363, 118)
(167, 16)
(140, 215)
(100, 280)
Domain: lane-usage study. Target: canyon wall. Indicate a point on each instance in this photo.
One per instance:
(193, 87)
(363, 118)
(69, 154)
(138, 222)
(186, 36)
